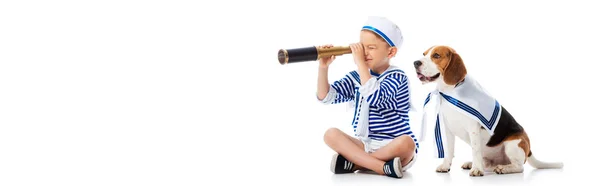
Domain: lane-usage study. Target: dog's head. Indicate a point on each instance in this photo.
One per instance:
(440, 64)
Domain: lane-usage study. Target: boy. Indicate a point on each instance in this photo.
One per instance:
(379, 93)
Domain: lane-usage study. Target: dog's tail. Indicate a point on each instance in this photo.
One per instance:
(543, 165)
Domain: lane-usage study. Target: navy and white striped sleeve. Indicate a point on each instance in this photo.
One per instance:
(390, 93)
(340, 91)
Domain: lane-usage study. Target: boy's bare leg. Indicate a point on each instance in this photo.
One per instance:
(354, 140)
(352, 149)
(403, 147)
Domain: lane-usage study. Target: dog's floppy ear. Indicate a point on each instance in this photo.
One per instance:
(456, 70)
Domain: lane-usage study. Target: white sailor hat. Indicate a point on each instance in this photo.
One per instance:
(387, 29)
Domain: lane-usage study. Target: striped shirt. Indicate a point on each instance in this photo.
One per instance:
(389, 102)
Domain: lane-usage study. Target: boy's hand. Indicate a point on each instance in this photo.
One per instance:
(358, 51)
(324, 62)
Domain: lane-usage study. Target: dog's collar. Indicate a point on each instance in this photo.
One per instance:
(459, 83)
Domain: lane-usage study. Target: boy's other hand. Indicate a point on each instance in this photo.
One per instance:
(324, 62)
(358, 52)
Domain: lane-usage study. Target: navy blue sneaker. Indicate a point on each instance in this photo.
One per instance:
(340, 165)
(393, 168)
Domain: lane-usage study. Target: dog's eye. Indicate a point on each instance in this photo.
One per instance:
(436, 55)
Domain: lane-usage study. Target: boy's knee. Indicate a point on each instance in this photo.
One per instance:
(331, 134)
(406, 146)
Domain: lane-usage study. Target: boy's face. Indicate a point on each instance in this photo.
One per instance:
(377, 51)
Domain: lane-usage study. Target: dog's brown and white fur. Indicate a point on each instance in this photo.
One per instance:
(506, 151)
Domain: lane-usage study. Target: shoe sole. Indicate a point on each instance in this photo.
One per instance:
(398, 168)
(333, 161)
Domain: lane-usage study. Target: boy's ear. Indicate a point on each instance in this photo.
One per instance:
(392, 52)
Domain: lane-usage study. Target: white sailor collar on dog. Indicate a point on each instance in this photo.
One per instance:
(468, 98)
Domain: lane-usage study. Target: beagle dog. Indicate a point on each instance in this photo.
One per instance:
(498, 142)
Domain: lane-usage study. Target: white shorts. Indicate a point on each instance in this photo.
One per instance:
(374, 145)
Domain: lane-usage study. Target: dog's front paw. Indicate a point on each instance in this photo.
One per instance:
(501, 169)
(476, 172)
(467, 165)
(443, 168)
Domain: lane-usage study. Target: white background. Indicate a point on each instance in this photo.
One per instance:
(184, 92)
